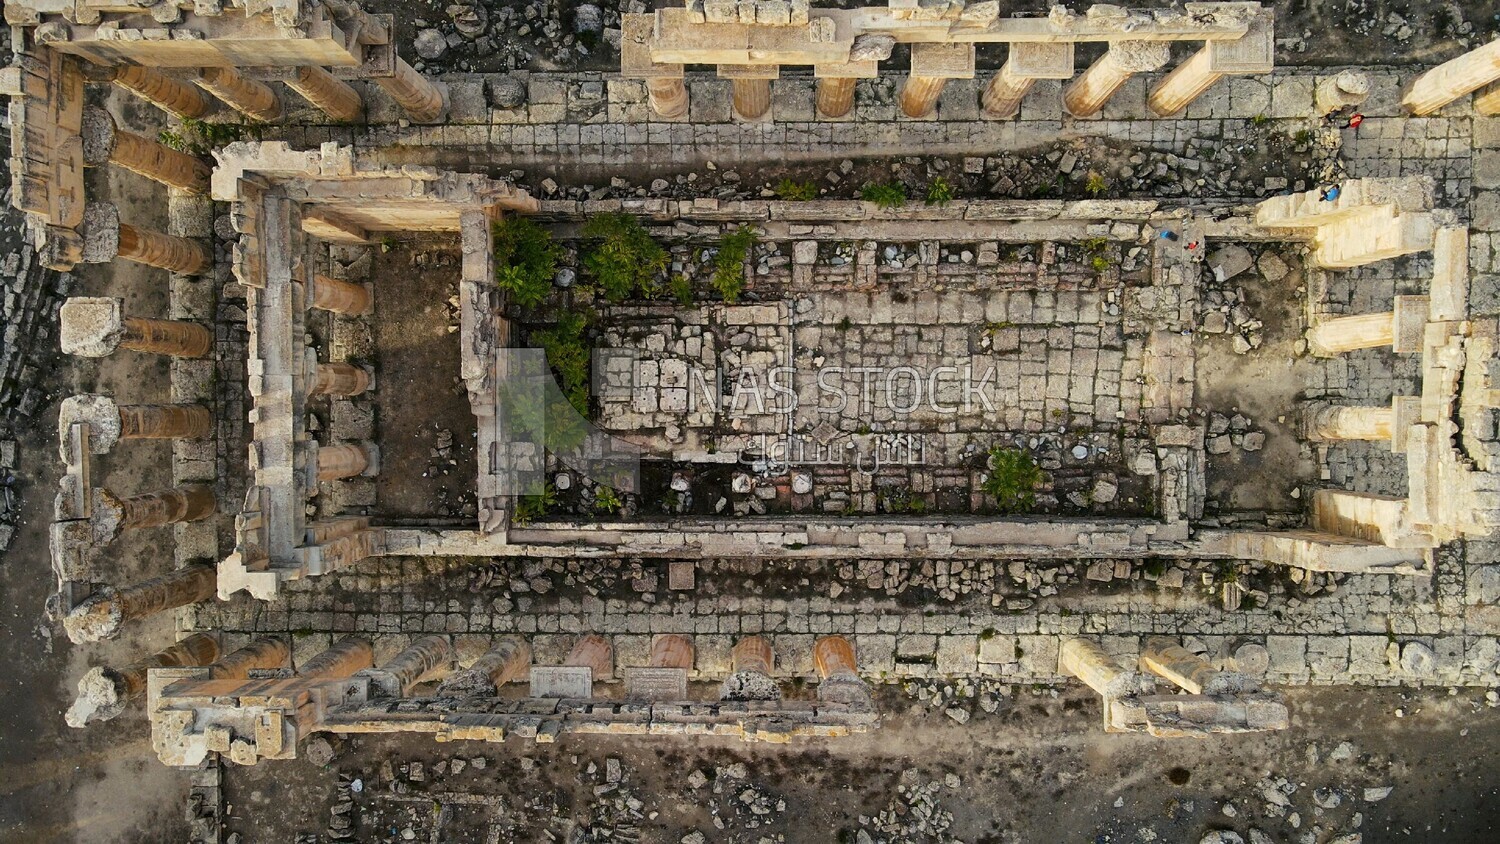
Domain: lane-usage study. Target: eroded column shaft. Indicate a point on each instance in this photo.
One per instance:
(104, 692)
(423, 659)
(752, 653)
(253, 99)
(1185, 83)
(169, 252)
(347, 656)
(668, 96)
(1343, 89)
(1345, 334)
(166, 337)
(101, 615)
(164, 421)
(1002, 96)
(506, 662)
(342, 460)
(672, 650)
(339, 379)
(752, 97)
(594, 652)
(1089, 92)
(1487, 102)
(1453, 79)
(268, 652)
(836, 95)
(919, 96)
(1084, 659)
(175, 96)
(1334, 422)
(335, 97)
(341, 297)
(416, 94)
(1182, 667)
(834, 657)
(160, 163)
(187, 503)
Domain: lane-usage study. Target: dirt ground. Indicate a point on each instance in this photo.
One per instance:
(1040, 770)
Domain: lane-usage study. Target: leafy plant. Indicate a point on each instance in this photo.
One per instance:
(1096, 185)
(626, 260)
(681, 288)
(606, 500)
(729, 264)
(940, 192)
(1096, 251)
(884, 194)
(1260, 120)
(525, 260)
(529, 508)
(567, 350)
(1012, 480)
(199, 137)
(795, 191)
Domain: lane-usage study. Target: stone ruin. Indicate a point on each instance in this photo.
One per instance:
(290, 207)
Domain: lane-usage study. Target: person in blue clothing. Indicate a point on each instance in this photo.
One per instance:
(1329, 194)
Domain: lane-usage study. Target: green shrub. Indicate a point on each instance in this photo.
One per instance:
(625, 261)
(795, 191)
(884, 194)
(681, 288)
(606, 500)
(529, 508)
(940, 192)
(525, 260)
(729, 264)
(567, 350)
(1096, 185)
(1012, 480)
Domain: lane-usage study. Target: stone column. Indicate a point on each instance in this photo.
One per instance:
(106, 143)
(341, 297)
(1084, 659)
(1171, 661)
(109, 423)
(1487, 101)
(342, 460)
(175, 96)
(836, 95)
(335, 97)
(1026, 63)
(253, 99)
(595, 653)
(751, 663)
(95, 327)
(339, 379)
(104, 692)
(347, 656)
(416, 94)
(186, 503)
(1089, 92)
(672, 650)
(1184, 84)
(103, 614)
(1453, 79)
(919, 96)
(425, 659)
(752, 97)
(164, 421)
(932, 65)
(668, 96)
(1341, 90)
(834, 657)
(166, 251)
(1345, 334)
(507, 661)
(267, 652)
(1328, 422)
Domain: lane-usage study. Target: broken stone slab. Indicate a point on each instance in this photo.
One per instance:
(1229, 261)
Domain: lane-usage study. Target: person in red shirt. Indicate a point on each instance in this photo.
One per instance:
(1355, 120)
